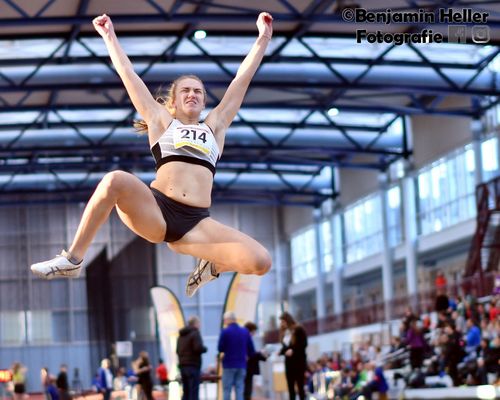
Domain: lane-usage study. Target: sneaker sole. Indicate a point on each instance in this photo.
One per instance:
(72, 273)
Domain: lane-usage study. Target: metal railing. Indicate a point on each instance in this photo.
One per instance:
(420, 303)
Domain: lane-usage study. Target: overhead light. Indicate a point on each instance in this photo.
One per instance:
(333, 112)
(200, 35)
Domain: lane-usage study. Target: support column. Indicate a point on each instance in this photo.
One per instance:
(409, 197)
(387, 256)
(338, 263)
(411, 238)
(477, 129)
(320, 267)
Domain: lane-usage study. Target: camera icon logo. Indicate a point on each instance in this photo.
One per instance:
(480, 34)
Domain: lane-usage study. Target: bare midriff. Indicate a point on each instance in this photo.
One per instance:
(190, 184)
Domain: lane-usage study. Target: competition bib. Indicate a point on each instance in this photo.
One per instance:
(194, 136)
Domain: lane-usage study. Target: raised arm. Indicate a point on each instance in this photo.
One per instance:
(221, 116)
(139, 94)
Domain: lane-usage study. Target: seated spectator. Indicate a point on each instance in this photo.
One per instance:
(346, 385)
(335, 361)
(120, 380)
(488, 361)
(472, 338)
(494, 310)
(459, 322)
(363, 376)
(377, 384)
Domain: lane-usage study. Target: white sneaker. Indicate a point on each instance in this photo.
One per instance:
(202, 274)
(58, 267)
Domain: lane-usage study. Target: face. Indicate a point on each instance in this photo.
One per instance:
(189, 97)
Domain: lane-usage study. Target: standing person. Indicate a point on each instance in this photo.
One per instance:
(142, 368)
(105, 379)
(162, 375)
(175, 208)
(189, 350)
(293, 338)
(235, 346)
(45, 380)
(415, 340)
(62, 382)
(19, 380)
(252, 363)
(441, 282)
(50, 391)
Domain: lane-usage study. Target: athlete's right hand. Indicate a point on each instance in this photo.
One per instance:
(103, 25)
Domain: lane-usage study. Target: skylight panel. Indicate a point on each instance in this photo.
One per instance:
(33, 48)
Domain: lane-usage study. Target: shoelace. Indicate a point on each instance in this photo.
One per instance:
(197, 275)
(55, 270)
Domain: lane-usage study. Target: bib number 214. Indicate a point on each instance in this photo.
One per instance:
(193, 134)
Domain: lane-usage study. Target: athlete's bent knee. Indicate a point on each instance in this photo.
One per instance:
(113, 183)
(262, 263)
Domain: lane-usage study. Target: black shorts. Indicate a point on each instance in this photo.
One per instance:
(180, 218)
(19, 388)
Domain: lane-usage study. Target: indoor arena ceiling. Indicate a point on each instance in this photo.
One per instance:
(320, 101)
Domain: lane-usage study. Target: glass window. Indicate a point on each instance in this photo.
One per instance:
(60, 327)
(12, 328)
(81, 326)
(489, 154)
(40, 326)
(394, 216)
(79, 293)
(142, 321)
(303, 255)
(446, 191)
(363, 228)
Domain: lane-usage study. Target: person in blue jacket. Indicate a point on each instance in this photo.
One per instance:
(236, 346)
(105, 379)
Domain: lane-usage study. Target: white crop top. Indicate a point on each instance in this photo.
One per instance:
(193, 144)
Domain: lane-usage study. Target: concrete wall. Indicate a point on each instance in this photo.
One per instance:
(434, 136)
(357, 183)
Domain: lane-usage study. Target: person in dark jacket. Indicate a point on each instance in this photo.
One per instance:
(62, 383)
(252, 364)
(189, 350)
(293, 338)
(142, 368)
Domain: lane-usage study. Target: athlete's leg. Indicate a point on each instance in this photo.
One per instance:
(228, 248)
(135, 204)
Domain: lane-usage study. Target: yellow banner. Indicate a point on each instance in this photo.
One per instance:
(242, 297)
(170, 320)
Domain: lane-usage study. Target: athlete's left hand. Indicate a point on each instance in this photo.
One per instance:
(265, 24)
